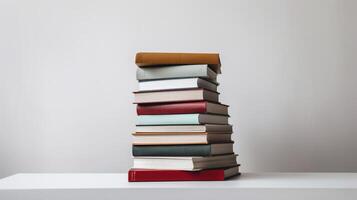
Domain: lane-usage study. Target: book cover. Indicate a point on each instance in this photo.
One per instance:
(187, 163)
(218, 128)
(147, 59)
(141, 175)
(182, 108)
(179, 71)
(178, 83)
(180, 138)
(181, 119)
(167, 119)
(183, 150)
(171, 108)
(178, 95)
(172, 150)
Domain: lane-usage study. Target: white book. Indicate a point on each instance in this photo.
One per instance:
(186, 128)
(180, 138)
(185, 163)
(182, 83)
(181, 119)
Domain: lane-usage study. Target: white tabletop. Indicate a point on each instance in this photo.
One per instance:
(252, 186)
(119, 181)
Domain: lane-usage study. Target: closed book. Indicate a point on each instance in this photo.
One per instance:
(186, 128)
(182, 108)
(183, 150)
(182, 83)
(185, 163)
(180, 138)
(173, 72)
(140, 175)
(181, 119)
(149, 59)
(175, 96)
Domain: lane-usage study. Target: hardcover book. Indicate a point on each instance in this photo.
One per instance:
(185, 163)
(175, 96)
(178, 71)
(182, 83)
(149, 59)
(140, 175)
(186, 128)
(181, 119)
(180, 138)
(182, 108)
(183, 150)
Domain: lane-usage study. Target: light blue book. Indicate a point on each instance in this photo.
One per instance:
(180, 71)
(181, 119)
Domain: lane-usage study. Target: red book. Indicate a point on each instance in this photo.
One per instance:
(182, 108)
(142, 175)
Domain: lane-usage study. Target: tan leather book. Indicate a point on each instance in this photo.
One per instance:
(147, 59)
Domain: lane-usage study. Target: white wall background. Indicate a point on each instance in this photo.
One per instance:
(67, 72)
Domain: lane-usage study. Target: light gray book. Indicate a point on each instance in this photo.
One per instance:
(181, 119)
(177, 71)
(177, 83)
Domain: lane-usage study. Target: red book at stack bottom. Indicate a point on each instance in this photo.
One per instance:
(141, 175)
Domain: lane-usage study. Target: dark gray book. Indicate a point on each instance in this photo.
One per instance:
(183, 150)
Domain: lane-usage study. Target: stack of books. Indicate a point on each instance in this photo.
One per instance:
(182, 131)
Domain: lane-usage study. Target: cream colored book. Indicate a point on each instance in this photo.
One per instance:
(180, 138)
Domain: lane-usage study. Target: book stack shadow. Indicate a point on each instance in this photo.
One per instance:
(182, 130)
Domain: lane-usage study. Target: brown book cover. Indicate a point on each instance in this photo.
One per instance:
(147, 59)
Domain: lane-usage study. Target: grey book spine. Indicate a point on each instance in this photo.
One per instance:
(172, 150)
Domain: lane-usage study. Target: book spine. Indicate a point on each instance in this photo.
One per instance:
(172, 108)
(143, 74)
(172, 150)
(175, 175)
(154, 59)
(167, 119)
